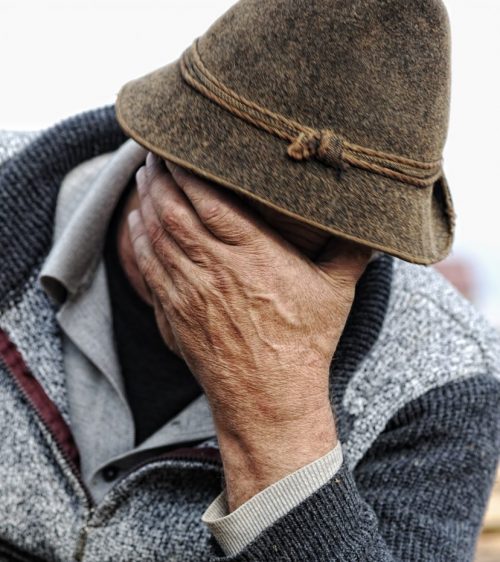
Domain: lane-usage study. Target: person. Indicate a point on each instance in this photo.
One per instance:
(214, 349)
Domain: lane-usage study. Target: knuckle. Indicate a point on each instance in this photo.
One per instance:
(168, 256)
(198, 253)
(163, 246)
(135, 236)
(190, 184)
(215, 213)
(177, 305)
(148, 269)
(156, 235)
(224, 280)
(173, 217)
(181, 218)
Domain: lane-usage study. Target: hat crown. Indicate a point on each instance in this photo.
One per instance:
(375, 71)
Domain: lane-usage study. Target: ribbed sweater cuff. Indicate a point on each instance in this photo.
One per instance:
(333, 524)
(234, 531)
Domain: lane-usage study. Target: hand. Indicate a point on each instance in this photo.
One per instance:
(255, 320)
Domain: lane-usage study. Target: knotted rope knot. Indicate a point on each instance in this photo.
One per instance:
(325, 145)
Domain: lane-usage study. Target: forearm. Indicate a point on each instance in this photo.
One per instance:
(330, 523)
(420, 493)
(258, 456)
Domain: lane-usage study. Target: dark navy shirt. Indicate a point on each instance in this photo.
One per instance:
(158, 384)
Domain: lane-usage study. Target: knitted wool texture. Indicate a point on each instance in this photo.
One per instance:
(414, 386)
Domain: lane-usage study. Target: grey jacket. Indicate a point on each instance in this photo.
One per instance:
(415, 386)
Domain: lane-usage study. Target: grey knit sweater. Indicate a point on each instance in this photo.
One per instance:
(415, 386)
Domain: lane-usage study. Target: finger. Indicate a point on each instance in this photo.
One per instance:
(219, 209)
(342, 259)
(155, 275)
(176, 214)
(165, 327)
(166, 248)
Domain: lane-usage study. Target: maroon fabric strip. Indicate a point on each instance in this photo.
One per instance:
(52, 418)
(36, 395)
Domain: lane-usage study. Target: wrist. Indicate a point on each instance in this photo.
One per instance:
(259, 456)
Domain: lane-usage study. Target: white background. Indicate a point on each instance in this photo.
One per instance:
(61, 57)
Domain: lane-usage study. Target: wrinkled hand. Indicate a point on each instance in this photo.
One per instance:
(255, 320)
(252, 316)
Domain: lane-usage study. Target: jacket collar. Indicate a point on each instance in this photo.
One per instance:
(29, 184)
(67, 270)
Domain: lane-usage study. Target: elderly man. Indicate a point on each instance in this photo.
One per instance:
(217, 346)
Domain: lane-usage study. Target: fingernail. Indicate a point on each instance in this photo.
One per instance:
(133, 218)
(151, 159)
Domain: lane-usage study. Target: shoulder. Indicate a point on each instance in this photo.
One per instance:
(441, 326)
(12, 142)
(431, 337)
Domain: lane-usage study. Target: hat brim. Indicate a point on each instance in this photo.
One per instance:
(165, 115)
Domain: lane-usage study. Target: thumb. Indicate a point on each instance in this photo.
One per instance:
(343, 259)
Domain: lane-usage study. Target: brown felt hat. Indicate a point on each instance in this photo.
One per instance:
(332, 112)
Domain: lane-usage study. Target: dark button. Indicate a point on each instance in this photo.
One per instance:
(110, 472)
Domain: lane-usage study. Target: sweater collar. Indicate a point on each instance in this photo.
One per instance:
(29, 185)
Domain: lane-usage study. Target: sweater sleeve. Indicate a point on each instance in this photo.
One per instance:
(419, 493)
(235, 530)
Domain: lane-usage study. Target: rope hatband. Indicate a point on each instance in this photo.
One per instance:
(305, 142)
